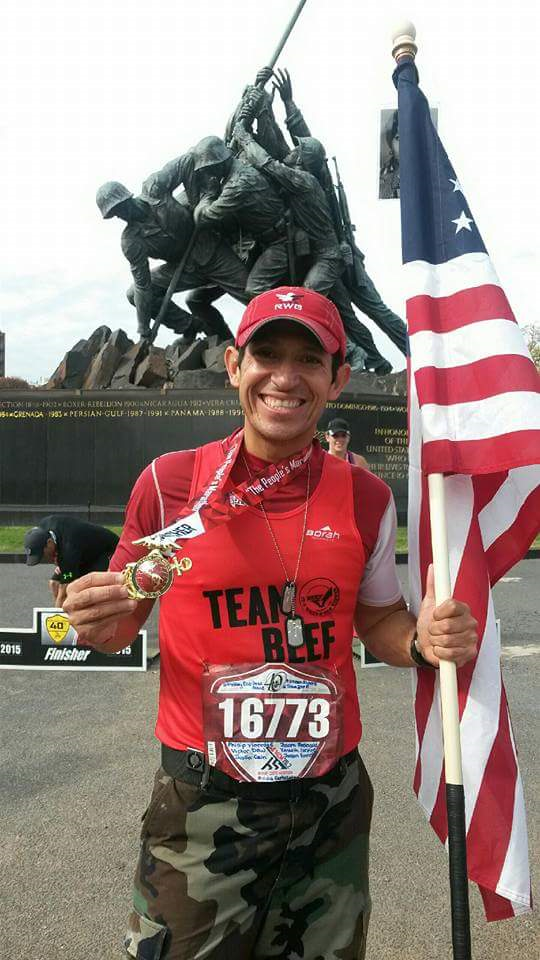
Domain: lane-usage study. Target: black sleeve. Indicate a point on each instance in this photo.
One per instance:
(70, 561)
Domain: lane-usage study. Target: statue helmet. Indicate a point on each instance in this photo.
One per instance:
(109, 195)
(210, 151)
(312, 154)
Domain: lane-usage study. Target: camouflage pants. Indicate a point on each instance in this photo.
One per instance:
(222, 877)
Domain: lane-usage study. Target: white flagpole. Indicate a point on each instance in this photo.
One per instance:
(443, 590)
(453, 771)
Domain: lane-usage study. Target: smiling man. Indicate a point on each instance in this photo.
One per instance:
(255, 842)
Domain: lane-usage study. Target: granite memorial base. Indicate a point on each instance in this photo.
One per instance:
(79, 452)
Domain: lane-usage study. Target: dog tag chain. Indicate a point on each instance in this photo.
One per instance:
(294, 625)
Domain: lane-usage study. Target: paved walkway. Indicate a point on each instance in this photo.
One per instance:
(77, 760)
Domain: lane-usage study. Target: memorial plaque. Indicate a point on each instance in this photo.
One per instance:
(87, 449)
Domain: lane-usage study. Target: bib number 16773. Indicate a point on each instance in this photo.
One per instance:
(271, 718)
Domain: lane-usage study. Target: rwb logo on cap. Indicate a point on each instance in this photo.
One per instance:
(288, 301)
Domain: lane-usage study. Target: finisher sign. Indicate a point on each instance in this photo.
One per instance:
(51, 644)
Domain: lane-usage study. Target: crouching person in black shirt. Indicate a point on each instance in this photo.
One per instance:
(74, 546)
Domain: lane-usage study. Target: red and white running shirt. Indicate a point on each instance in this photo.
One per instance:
(226, 609)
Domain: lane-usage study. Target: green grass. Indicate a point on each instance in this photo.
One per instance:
(11, 539)
(401, 540)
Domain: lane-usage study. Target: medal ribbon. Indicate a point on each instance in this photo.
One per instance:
(218, 505)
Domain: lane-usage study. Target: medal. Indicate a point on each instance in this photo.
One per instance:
(152, 575)
(288, 597)
(295, 631)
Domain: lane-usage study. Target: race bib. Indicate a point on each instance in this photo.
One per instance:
(272, 722)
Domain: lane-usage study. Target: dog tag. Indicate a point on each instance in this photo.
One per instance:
(295, 631)
(288, 597)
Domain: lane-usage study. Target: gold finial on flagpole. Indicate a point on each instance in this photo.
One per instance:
(403, 40)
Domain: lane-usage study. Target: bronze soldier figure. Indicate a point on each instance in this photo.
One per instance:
(317, 255)
(235, 202)
(242, 202)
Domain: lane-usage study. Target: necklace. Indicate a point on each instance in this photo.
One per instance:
(293, 623)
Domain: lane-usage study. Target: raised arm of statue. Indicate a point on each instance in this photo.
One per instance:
(294, 118)
(258, 102)
(269, 133)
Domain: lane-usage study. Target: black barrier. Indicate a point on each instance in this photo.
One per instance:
(364, 656)
(62, 451)
(51, 644)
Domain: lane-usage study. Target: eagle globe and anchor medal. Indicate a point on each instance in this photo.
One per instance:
(152, 575)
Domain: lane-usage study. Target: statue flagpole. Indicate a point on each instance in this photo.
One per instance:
(286, 34)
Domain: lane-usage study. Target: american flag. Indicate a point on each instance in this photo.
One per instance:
(474, 415)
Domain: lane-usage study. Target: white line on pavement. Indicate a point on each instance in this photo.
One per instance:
(517, 651)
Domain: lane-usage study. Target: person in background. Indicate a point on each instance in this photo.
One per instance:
(74, 546)
(338, 437)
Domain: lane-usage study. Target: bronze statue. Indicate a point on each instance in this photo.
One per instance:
(246, 221)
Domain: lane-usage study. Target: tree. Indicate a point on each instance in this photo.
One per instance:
(14, 383)
(532, 333)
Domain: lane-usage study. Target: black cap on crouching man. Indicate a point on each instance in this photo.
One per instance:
(35, 541)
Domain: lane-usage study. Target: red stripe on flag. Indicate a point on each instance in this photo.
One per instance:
(489, 377)
(496, 907)
(490, 828)
(472, 587)
(489, 455)
(509, 548)
(485, 488)
(439, 816)
(422, 707)
(443, 314)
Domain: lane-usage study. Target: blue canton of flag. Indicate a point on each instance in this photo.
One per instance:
(436, 221)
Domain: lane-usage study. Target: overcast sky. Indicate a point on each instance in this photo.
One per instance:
(95, 90)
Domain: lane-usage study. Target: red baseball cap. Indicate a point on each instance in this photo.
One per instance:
(311, 309)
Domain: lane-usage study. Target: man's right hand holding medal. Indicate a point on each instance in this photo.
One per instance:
(99, 608)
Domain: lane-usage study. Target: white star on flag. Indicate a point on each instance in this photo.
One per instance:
(457, 185)
(463, 222)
